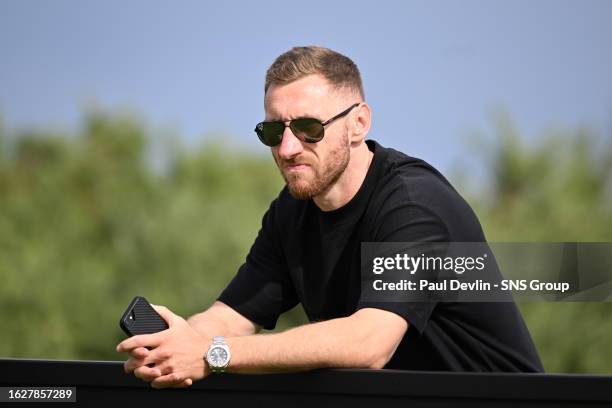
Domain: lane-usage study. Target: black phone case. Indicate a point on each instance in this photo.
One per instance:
(141, 318)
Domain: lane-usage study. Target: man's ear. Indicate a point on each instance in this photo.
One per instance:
(361, 121)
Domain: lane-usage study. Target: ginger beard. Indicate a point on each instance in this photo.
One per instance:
(316, 179)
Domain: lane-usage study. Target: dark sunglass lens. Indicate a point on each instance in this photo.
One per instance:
(270, 133)
(307, 129)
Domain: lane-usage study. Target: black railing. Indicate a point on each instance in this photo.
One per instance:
(104, 382)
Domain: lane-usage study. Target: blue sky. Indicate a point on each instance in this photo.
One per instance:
(433, 70)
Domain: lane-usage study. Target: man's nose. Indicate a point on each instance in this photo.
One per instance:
(290, 145)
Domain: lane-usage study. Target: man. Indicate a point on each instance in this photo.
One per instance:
(340, 191)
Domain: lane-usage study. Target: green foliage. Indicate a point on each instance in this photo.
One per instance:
(89, 220)
(85, 224)
(557, 190)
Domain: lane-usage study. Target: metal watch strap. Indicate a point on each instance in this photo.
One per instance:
(217, 341)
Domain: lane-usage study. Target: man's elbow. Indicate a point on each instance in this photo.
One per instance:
(364, 355)
(378, 364)
(378, 360)
(378, 338)
(369, 354)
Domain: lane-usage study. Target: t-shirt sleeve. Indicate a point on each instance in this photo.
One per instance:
(262, 290)
(410, 222)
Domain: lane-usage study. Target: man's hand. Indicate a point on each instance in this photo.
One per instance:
(174, 358)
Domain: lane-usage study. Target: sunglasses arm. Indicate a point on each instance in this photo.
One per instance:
(341, 114)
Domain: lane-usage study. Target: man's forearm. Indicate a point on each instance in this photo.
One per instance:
(206, 324)
(340, 343)
(174, 357)
(221, 320)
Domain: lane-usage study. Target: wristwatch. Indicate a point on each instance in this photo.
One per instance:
(218, 355)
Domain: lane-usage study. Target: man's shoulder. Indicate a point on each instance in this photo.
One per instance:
(413, 178)
(405, 182)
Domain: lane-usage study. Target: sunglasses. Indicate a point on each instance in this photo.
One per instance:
(309, 130)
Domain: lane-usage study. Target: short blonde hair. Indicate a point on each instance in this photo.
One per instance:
(299, 62)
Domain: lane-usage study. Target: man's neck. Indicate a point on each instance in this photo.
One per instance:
(349, 182)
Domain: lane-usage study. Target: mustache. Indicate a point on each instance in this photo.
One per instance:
(292, 162)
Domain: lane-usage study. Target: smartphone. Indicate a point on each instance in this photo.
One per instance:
(141, 318)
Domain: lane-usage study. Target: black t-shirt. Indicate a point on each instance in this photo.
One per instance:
(308, 256)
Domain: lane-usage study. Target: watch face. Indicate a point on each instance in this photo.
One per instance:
(217, 356)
